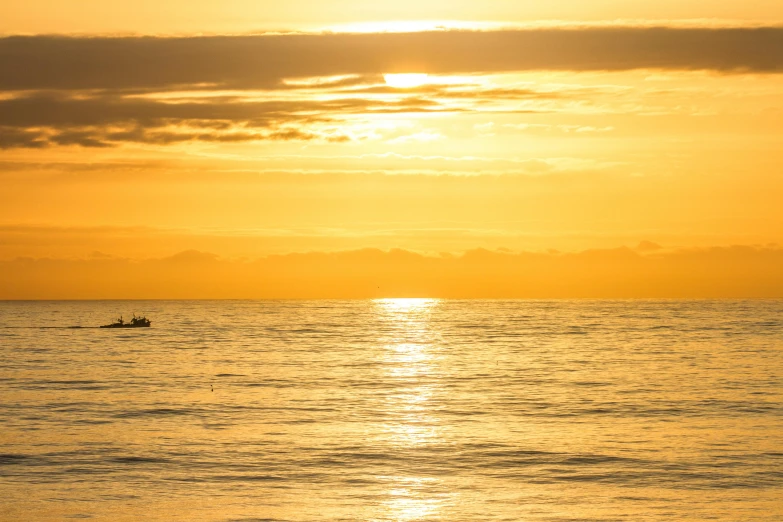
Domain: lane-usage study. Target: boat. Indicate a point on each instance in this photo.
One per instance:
(136, 322)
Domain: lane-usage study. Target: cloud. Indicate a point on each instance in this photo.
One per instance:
(39, 119)
(102, 92)
(43, 119)
(719, 272)
(264, 61)
(567, 129)
(424, 136)
(11, 138)
(61, 110)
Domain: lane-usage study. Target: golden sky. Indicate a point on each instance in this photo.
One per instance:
(346, 148)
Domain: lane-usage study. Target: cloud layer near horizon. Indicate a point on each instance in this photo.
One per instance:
(647, 272)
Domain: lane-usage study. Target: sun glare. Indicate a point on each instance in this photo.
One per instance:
(412, 26)
(405, 81)
(406, 304)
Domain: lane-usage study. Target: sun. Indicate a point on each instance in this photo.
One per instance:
(405, 81)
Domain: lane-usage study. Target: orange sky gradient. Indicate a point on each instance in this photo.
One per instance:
(391, 149)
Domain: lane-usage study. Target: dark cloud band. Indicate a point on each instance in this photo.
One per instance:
(45, 119)
(262, 61)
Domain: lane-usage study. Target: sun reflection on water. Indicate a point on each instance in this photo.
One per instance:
(406, 304)
(412, 359)
(406, 501)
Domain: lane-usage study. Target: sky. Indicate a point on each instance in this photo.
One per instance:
(341, 148)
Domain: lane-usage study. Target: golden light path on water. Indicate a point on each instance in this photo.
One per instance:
(411, 359)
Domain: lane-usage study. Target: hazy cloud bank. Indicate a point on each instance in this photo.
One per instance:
(646, 272)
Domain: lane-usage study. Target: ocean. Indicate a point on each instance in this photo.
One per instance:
(392, 410)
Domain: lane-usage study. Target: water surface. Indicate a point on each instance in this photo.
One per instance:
(392, 410)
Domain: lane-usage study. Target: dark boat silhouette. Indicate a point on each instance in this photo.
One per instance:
(136, 322)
